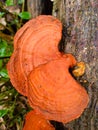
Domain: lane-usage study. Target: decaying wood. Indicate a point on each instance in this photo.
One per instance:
(80, 37)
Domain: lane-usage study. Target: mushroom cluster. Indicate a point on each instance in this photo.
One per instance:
(39, 71)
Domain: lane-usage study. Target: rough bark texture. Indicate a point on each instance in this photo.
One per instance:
(80, 37)
(37, 7)
(34, 7)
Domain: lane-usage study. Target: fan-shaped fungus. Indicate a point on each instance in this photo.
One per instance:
(39, 71)
(34, 44)
(54, 93)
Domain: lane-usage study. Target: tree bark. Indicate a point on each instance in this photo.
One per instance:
(80, 37)
(38, 7)
(35, 7)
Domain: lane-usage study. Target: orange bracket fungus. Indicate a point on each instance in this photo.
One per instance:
(34, 44)
(39, 71)
(35, 121)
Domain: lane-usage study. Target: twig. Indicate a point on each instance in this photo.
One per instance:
(4, 57)
(6, 37)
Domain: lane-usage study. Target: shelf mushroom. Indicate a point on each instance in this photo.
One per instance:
(34, 44)
(54, 93)
(39, 71)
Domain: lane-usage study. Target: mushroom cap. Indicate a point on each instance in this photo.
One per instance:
(34, 44)
(54, 93)
(35, 121)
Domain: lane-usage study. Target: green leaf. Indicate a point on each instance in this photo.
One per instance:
(3, 112)
(24, 15)
(9, 2)
(1, 14)
(1, 63)
(5, 49)
(3, 46)
(3, 73)
(20, 1)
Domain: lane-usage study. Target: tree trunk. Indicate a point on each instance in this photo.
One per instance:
(37, 7)
(80, 37)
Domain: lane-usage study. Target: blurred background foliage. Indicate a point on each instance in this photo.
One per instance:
(13, 106)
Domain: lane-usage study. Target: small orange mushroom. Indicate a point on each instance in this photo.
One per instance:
(39, 71)
(35, 121)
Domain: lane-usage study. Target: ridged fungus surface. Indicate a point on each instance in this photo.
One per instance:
(35, 121)
(39, 71)
(34, 44)
(52, 94)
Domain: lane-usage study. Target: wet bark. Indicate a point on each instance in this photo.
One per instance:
(80, 37)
